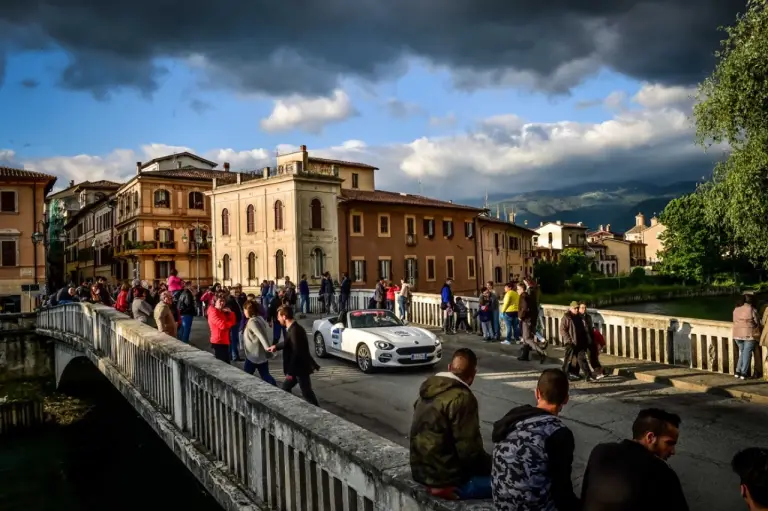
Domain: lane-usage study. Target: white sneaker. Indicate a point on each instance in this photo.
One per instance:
(742, 378)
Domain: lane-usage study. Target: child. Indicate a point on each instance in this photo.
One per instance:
(484, 316)
(461, 315)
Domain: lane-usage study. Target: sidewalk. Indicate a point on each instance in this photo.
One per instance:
(755, 391)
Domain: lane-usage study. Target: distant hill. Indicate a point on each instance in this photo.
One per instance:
(590, 203)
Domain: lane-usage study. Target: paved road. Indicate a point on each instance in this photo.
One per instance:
(713, 428)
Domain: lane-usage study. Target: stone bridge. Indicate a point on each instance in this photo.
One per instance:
(253, 446)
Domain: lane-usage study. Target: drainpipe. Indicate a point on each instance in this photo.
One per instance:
(266, 237)
(480, 271)
(34, 245)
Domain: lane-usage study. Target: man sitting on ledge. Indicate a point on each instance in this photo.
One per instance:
(447, 452)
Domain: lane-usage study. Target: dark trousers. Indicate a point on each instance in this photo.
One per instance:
(263, 369)
(572, 351)
(234, 342)
(221, 352)
(594, 356)
(462, 324)
(305, 384)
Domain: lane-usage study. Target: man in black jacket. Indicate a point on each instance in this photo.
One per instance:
(633, 475)
(298, 363)
(533, 452)
(186, 306)
(752, 467)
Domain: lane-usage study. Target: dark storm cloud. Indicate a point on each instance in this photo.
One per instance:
(306, 47)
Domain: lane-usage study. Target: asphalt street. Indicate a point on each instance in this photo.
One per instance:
(713, 427)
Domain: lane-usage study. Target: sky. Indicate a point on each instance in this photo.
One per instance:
(450, 98)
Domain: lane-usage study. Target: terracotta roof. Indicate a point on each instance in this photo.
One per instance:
(191, 173)
(342, 162)
(637, 228)
(23, 174)
(99, 184)
(172, 156)
(565, 224)
(504, 222)
(383, 197)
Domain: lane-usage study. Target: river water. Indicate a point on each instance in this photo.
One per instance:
(108, 459)
(719, 308)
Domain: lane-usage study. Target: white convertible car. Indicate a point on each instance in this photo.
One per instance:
(375, 338)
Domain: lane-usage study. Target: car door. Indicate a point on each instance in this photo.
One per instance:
(336, 335)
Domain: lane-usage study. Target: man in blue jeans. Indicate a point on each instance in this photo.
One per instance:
(303, 295)
(186, 306)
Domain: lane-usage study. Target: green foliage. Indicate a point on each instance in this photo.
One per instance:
(637, 276)
(573, 261)
(652, 293)
(550, 276)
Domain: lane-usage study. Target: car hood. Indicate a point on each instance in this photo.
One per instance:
(401, 334)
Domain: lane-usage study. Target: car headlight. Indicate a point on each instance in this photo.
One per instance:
(438, 342)
(383, 345)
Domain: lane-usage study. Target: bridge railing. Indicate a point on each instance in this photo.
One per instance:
(695, 343)
(276, 450)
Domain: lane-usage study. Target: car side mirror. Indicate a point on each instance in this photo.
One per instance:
(338, 326)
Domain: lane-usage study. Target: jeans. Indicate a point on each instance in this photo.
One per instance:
(496, 325)
(487, 329)
(343, 302)
(329, 302)
(234, 342)
(304, 304)
(447, 322)
(746, 347)
(511, 322)
(263, 369)
(221, 352)
(403, 304)
(390, 305)
(186, 328)
(277, 331)
(477, 488)
(305, 384)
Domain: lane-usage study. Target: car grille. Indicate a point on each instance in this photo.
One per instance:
(415, 349)
(407, 361)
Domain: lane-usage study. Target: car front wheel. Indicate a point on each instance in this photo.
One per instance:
(320, 346)
(363, 356)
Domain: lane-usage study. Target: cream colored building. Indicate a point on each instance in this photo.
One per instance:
(650, 236)
(504, 251)
(620, 250)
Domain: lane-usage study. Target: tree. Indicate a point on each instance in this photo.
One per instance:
(732, 109)
(550, 277)
(573, 261)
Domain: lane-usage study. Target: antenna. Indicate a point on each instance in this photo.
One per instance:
(486, 198)
(421, 187)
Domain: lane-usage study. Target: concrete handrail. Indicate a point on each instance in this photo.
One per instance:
(279, 451)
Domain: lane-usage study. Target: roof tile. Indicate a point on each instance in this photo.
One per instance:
(383, 197)
(9, 172)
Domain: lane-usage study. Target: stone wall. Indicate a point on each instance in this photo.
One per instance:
(23, 354)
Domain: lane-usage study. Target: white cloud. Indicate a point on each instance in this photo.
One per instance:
(659, 96)
(653, 141)
(308, 114)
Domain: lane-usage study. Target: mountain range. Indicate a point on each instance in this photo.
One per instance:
(591, 203)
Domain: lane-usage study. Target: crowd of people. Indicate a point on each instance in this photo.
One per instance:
(530, 466)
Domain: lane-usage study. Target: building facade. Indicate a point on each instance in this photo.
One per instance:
(311, 215)
(504, 251)
(650, 236)
(551, 238)
(23, 241)
(162, 219)
(83, 244)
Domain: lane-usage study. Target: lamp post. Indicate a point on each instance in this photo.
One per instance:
(198, 242)
(94, 244)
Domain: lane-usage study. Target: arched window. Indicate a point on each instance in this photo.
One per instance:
(225, 222)
(250, 219)
(497, 277)
(278, 215)
(251, 266)
(225, 267)
(316, 213)
(196, 200)
(279, 264)
(318, 262)
(162, 198)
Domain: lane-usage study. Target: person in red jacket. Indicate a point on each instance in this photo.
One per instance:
(122, 299)
(220, 321)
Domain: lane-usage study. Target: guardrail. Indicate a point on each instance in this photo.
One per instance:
(279, 451)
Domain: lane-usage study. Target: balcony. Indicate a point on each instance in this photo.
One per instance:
(133, 247)
(201, 247)
(410, 240)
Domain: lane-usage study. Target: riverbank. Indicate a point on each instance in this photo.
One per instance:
(638, 294)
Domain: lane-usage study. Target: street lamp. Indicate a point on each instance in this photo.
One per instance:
(94, 244)
(198, 242)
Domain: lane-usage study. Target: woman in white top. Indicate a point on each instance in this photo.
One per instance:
(256, 342)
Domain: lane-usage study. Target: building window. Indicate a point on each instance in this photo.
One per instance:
(225, 267)
(549, 236)
(164, 237)
(8, 202)
(163, 269)
(196, 200)
(429, 227)
(497, 276)
(278, 216)
(358, 270)
(8, 252)
(279, 264)
(449, 268)
(411, 270)
(469, 230)
(316, 214)
(385, 269)
(384, 225)
(357, 224)
(514, 243)
(162, 198)
(431, 274)
(410, 225)
(448, 229)
(355, 180)
(496, 240)
(471, 268)
(251, 266)
(225, 222)
(250, 219)
(135, 199)
(318, 262)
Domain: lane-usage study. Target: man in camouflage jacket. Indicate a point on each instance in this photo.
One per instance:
(447, 453)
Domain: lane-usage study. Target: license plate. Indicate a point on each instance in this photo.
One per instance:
(419, 356)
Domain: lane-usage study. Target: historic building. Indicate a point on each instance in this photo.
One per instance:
(162, 219)
(310, 215)
(87, 236)
(553, 237)
(504, 251)
(23, 240)
(649, 235)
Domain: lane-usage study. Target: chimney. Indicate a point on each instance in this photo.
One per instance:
(541, 224)
(265, 172)
(640, 220)
(226, 166)
(608, 227)
(239, 177)
(138, 168)
(654, 221)
(304, 158)
(580, 224)
(601, 228)
(559, 222)
(71, 182)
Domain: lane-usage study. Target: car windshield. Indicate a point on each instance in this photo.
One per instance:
(373, 319)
